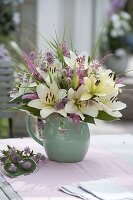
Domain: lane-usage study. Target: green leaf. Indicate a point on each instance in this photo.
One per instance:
(9, 147)
(89, 119)
(106, 117)
(31, 110)
(20, 100)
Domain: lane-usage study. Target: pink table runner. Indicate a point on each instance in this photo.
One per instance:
(108, 156)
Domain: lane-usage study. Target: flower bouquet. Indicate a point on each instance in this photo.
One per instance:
(59, 85)
(116, 36)
(118, 26)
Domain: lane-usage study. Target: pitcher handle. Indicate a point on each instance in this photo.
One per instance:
(31, 132)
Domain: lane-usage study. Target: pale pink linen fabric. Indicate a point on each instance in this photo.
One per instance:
(100, 162)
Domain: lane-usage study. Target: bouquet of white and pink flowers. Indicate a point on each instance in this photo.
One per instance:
(66, 83)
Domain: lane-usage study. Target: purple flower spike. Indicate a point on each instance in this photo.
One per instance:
(27, 150)
(32, 55)
(26, 165)
(49, 57)
(30, 96)
(69, 72)
(65, 49)
(105, 58)
(12, 168)
(81, 74)
(31, 66)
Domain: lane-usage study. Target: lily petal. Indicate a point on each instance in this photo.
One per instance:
(36, 103)
(71, 107)
(71, 61)
(86, 96)
(80, 91)
(42, 90)
(54, 88)
(118, 105)
(61, 94)
(90, 110)
(62, 112)
(45, 112)
(113, 113)
(73, 56)
(71, 93)
(43, 74)
(80, 114)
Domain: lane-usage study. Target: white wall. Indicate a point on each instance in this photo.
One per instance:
(83, 18)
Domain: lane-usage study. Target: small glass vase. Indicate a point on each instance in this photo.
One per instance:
(63, 140)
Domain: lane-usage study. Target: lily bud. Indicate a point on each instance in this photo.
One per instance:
(75, 81)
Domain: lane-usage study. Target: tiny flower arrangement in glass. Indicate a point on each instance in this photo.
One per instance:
(72, 85)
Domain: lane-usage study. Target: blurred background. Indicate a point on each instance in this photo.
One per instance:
(25, 23)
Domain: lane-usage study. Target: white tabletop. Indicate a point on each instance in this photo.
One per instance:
(108, 156)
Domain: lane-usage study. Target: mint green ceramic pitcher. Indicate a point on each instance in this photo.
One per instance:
(63, 140)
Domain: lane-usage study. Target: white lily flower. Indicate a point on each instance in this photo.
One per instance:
(75, 105)
(53, 69)
(111, 106)
(24, 88)
(78, 61)
(98, 86)
(48, 99)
